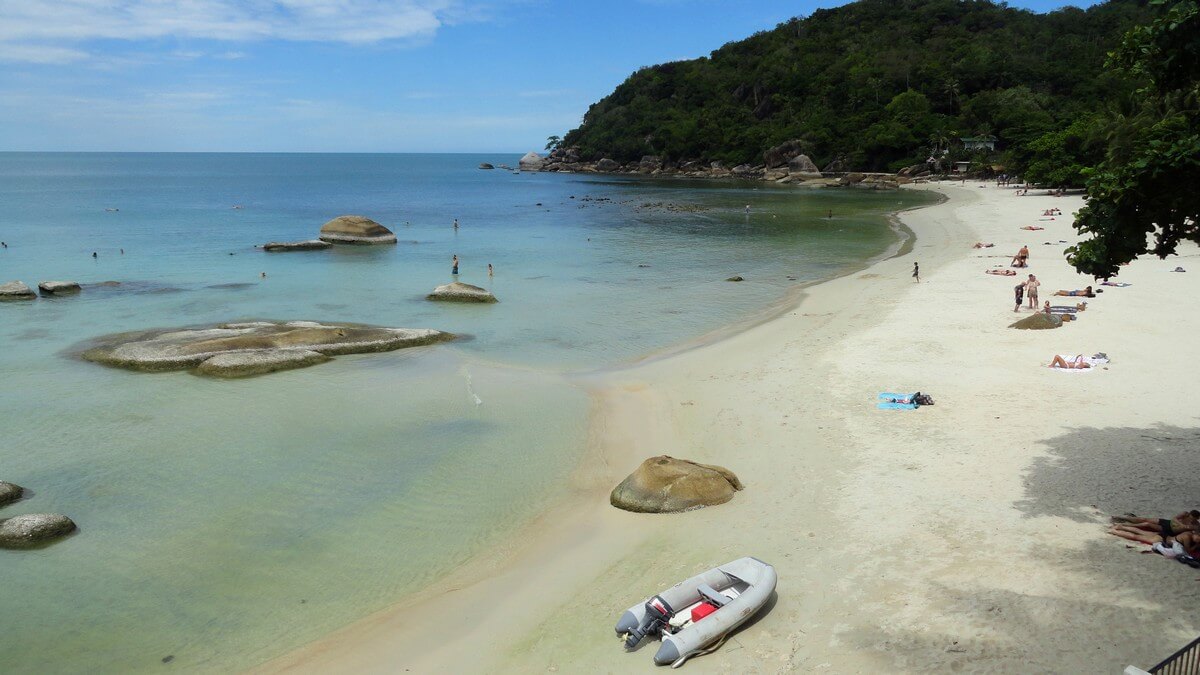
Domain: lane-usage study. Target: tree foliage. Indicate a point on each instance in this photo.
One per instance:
(875, 83)
(1142, 197)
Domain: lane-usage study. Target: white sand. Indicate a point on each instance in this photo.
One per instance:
(967, 536)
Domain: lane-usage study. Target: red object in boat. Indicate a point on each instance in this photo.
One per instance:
(702, 610)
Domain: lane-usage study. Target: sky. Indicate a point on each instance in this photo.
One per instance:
(340, 75)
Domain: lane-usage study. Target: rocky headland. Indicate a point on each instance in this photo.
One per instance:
(783, 164)
(250, 348)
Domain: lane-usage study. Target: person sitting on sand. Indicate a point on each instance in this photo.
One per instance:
(1021, 258)
(1076, 363)
(1087, 293)
(1046, 307)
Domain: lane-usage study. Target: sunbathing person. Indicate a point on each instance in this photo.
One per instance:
(1076, 363)
(1188, 521)
(1189, 542)
(980, 244)
(1002, 272)
(1087, 293)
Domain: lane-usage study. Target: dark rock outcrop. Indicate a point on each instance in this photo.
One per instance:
(16, 290)
(801, 166)
(356, 230)
(1038, 321)
(667, 485)
(10, 492)
(650, 164)
(782, 153)
(486, 166)
(258, 345)
(310, 245)
(607, 165)
(34, 529)
(58, 287)
(459, 292)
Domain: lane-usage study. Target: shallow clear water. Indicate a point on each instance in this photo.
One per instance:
(222, 523)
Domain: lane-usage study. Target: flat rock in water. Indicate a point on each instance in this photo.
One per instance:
(667, 485)
(485, 166)
(310, 245)
(10, 492)
(356, 230)
(180, 349)
(737, 277)
(259, 362)
(1038, 321)
(460, 292)
(34, 529)
(58, 287)
(16, 290)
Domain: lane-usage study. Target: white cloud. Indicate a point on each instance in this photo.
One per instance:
(48, 31)
(40, 54)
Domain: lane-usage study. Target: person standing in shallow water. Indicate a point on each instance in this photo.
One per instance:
(917, 272)
(454, 265)
(456, 223)
(491, 272)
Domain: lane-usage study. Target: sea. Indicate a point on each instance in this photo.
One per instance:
(223, 523)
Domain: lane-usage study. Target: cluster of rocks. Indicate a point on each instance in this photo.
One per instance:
(784, 163)
(250, 348)
(29, 530)
(354, 230)
(18, 290)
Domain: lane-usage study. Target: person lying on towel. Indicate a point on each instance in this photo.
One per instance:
(1087, 293)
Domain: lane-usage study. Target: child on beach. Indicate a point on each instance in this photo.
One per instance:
(917, 272)
(1019, 291)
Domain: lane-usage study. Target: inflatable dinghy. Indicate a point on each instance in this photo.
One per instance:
(698, 613)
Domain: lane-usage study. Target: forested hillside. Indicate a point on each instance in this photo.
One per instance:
(873, 85)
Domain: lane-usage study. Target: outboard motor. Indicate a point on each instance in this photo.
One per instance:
(658, 613)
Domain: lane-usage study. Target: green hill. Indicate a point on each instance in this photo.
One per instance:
(874, 85)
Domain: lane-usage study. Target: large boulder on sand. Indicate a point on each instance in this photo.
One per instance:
(10, 492)
(531, 162)
(356, 230)
(459, 292)
(608, 165)
(58, 287)
(666, 485)
(782, 154)
(310, 245)
(1038, 321)
(16, 290)
(34, 529)
(250, 348)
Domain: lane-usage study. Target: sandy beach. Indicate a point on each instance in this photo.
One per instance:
(968, 536)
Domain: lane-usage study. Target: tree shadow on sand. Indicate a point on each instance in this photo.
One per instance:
(1109, 589)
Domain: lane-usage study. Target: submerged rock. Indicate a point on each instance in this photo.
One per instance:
(1038, 321)
(10, 492)
(310, 245)
(667, 485)
(460, 292)
(736, 277)
(58, 287)
(356, 230)
(16, 290)
(34, 529)
(259, 346)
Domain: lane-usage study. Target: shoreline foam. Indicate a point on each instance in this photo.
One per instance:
(963, 536)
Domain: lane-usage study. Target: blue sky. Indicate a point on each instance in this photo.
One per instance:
(339, 75)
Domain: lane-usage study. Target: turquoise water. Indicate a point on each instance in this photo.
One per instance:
(222, 523)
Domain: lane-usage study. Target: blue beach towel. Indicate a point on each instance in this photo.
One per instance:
(888, 401)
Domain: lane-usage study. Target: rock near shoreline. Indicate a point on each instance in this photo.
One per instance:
(34, 529)
(250, 348)
(356, 230)
(665, 484)
(784, 163)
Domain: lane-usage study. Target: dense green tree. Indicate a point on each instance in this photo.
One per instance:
(1143, 197)
(870, 82)
(1061, 158)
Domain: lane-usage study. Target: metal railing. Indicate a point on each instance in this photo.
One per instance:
(1186, 661)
